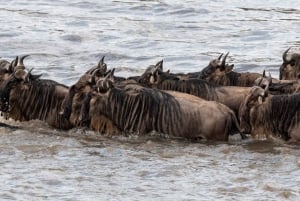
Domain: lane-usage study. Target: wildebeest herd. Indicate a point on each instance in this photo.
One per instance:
(210, 104)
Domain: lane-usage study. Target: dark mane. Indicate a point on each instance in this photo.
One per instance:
(197, 87)
(39, 101)
(285, 109)
(142, 110)
(233, 78)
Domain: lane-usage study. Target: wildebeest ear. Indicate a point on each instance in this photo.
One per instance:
(34, 77)
(154, 76)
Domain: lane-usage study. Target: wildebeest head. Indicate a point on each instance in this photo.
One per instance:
(290, 68)
(263, 81)
(77, 93)
(100, 68)
(80, 112)
(276, 87)
(20, 77)
(255, 97)
(216, 70)
(7, 68)
(153, 74)
(103, 85)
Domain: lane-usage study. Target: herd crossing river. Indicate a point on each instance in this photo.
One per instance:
(65, 38)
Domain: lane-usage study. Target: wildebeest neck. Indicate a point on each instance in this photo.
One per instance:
(285, 112)
(130, 110)
(41, 99)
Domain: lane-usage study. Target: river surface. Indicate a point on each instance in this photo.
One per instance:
(65, 38)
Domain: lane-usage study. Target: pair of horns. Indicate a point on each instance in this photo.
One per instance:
(19, 61)
(224, 59)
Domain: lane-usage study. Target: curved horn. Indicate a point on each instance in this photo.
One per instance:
(159, 65)
(270, 78)
(220, 57)
(285, 54)
(224, 59)
(105, 80)
(14, 62)
(20, 62)
(260, 81)
(106, 77)
(267, 90)
(101, 62)
(112, 72)
(94, 72)
(264, 73)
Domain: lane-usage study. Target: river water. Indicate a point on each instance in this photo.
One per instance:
(65, 38)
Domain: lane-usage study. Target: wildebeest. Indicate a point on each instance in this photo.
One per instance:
(26, 97)
(290, 68)
(6, 69)
(231, 96)
(75, 97)
(263, 115)
(218, 72)
(140, 110)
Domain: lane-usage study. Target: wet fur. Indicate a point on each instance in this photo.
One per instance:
(278, 116)
(41, 99)
(140, 110)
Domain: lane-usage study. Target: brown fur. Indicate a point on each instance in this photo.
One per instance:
(232, 78)
(74, 103)
(231, 96)
(277, 116)
(290, 68)
(39, 99)
(139, 110)
(220, 73)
